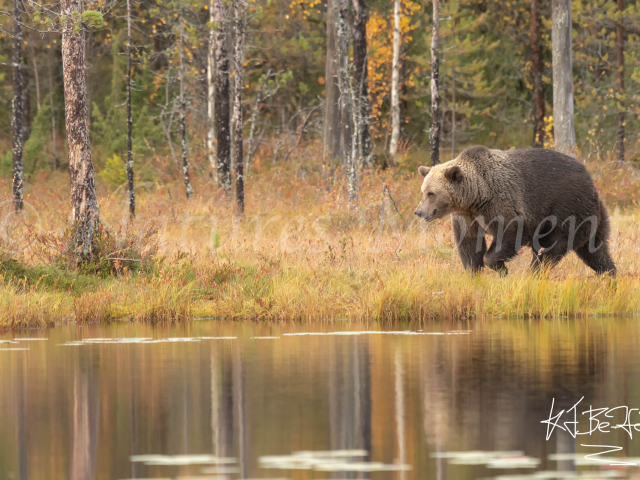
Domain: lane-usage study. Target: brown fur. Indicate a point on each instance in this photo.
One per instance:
(533, 197)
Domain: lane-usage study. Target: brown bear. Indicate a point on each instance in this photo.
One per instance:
(531, 197)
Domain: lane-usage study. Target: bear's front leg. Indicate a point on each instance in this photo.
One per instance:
(500, 253)
(470, 242)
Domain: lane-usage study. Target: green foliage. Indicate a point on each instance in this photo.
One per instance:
(34, 154)
(47, 277)
(93, 18)
(114, 172)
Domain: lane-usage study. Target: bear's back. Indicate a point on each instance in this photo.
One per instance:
(554, 184)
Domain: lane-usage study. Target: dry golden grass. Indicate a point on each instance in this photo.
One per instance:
(302, 252)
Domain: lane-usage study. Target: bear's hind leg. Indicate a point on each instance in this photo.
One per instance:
(599, 260)
(595, 253)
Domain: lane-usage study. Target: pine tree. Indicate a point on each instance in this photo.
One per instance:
(84, 201)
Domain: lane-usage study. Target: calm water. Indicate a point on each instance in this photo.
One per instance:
(266, 402)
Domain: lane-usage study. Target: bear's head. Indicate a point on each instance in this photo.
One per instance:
(438, 191)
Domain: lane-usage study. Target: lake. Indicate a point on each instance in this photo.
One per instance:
(224, 400)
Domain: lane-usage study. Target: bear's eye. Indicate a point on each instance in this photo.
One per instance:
(430, 194)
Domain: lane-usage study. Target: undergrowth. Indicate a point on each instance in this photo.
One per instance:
(302, 252)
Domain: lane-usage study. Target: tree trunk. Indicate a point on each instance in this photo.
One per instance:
(17, 110)
(536, 71)
(223, 126)
(54, 139)
(434, 134)
(132, 195)
(395, 81)
(84, 202)
(342, 37)
(620, 38)
(332, 131)
(453, 113)
(211, 92)
(239, 13)
(563, 121)
(361, 79)
(36, 76)
(183, 117)
(453, 90)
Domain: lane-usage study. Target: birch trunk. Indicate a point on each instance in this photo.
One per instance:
(453, 113)
(332, 131)
(536, 72)
(223, 126)
(620, 38)
(84, 202)
(453, 92)
(342, 35)
(54, 139)
(239, 163)
(211, 92)
(17, 110)
(183, 117)
(395, 80)
(132, 196)
(252, 132)
(436, 114)
(563, 121)
(361, 79)
(26, 100)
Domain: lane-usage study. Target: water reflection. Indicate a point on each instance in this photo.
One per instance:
(246, 400)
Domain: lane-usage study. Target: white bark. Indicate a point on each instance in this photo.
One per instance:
(346, 95)
(183, 118)
(436, 114)
(211, 93)
(563, 120)
(132, 195)
(237, 107)
(395, 81)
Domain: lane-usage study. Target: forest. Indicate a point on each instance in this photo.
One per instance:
(169, 159)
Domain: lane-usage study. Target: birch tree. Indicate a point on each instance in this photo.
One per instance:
(361, 80)
(563, 120)
(84, 202)
(395, 80)
(237, 106)
(132, 197)
(223, 126)
(332, 131)
(620, 39)
(17, 117)
(54, 136)
(436, 114)
(183, 116)
(211, 91)
(346, 112)
(536, 73)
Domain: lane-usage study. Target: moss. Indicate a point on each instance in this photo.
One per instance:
(48, 278)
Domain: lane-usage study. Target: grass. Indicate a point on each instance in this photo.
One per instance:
(300, 253)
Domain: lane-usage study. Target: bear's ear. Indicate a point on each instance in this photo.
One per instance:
(453, 174)
(424, 171)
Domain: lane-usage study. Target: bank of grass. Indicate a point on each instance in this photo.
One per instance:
(301, 253)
